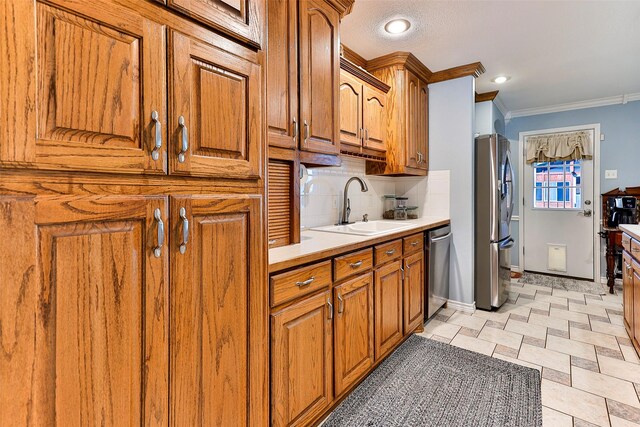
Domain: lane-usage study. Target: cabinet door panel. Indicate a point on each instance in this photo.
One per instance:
(354, 353)
(350, 110)
(423, 128)
(243, 19)
(218, 312)
(636, 303)
(282, 80)
(98, 77)
(219, 97)
(301, 362)
(413, 119)
(319, 77)
(413, 291)
(388, 307)
(374, 118)
(100, 343)
(627, 292)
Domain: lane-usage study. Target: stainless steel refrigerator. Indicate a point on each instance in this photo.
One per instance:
(493, 211)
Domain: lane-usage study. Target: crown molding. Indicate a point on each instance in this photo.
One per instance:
(591, 103)
(474, 69)
(401, 59)
(487, 96)
(353, 56)
(344, 7)
(503, 108)
(363, 75)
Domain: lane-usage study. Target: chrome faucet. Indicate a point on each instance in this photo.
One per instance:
(346, 205)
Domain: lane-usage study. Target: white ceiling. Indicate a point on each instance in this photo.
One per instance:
(556, 52)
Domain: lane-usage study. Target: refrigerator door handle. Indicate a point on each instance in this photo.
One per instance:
(437, 239)
(507, 244)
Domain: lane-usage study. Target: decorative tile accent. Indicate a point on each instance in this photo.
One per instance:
(577, 422)
(584, 363)
(557, 376)
(506, 351)
(534, 341)
(494, 324)
(580, 325)
(603, 351)
(519, 318)
(623, 411)
(469, 332)
(557, 333)
(600, 319)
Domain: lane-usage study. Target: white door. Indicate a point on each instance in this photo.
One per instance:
(558, 218)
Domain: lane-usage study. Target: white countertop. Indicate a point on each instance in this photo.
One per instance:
(319, 241)
(632, 229)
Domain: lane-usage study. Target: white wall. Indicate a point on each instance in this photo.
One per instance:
(451, 138)
(484, 118)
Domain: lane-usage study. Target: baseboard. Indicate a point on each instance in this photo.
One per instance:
(461, 306)
(516, 268)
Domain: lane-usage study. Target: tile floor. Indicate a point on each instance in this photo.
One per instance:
(590, 373)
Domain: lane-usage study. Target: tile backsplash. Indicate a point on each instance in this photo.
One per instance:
(321, 193)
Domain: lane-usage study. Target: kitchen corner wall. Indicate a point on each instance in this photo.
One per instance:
(321, 194)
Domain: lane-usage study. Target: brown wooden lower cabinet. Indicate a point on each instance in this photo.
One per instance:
(636, 305)
(388, 307)
(627, 292)
(353, 327)
(301, 360)
(413, 291)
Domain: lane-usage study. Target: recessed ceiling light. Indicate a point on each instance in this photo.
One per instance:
(501, 79)
(397, 26)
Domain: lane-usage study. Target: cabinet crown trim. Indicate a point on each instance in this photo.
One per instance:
(401, 59)
(474, 69)
(363, 75)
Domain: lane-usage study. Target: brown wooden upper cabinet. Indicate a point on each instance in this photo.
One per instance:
(362, 115)
(84, 90)
(218, 312)
(242, 19)
(407, 123)
(303, 74)
(214, 115)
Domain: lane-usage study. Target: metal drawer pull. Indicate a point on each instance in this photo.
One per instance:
(330, 309)
(272, 241)
(306, 131)
(157, 251)
(356, 264)
(184, 139)
(295, 128)
(366, 134)
(634, 249)
(402, 271)
(185, 230)
(390, 252)
(415, 243)
(340, 304)
(155, 154)
(306, 282)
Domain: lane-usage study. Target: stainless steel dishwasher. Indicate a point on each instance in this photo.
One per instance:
(438, 252)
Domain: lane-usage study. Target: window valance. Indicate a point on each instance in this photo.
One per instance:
(559, 146)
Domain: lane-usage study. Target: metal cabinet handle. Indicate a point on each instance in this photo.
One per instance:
(402, 272)
(634, 249)
(157, 251)
(295, 129)
(415, 243)
(306, 131)
(390, 252)
(272, 241)
(356, 264)
(185, 230)
(366, 134)
(340, 304)
(330, 308)
(408, 267)
(306, 282)
(184, 139)
(155, 154)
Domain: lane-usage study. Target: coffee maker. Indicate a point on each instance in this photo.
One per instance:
(622, 210)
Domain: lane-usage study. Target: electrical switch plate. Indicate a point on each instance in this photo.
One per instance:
(611, 174)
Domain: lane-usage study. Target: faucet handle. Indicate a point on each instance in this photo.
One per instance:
(365, 218)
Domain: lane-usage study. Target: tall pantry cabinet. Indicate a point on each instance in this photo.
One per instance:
(132, 213)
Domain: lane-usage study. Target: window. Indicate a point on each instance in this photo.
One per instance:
(557, 185)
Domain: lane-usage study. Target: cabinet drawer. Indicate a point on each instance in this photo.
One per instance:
(626, 242)
(635, 249)
(299, 282)
(413, 243)
(353, 263)
(387, 252)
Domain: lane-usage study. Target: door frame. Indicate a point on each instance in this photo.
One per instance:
(596, 191)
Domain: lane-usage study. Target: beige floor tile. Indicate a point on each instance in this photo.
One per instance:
(624, 411)
(608, 328)
(619, 368)
(523, 290)
(537, 287)
(616, 319)
(568, 294)
(575, 402)
(595, 338)
(437, 327)
(446, 311)
(462, 319)
(573, 348)
(587, 309)
(629, 354)
(473, 344)
(568, 315)
(545, 357)
(549, 322)
(606, 304)
(615, 421)
(522, 328)
(515, 309)
(492, 315)
(498, 336)
(517, 361)
(540, 305)
(553, 418)
(551, 299)
(605, 386)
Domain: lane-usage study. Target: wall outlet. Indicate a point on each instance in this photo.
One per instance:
(611, 174)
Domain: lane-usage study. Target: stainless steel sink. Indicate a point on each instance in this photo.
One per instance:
(370, 228)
